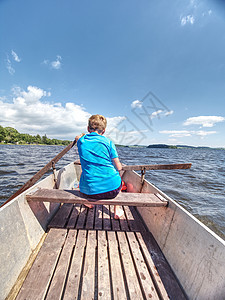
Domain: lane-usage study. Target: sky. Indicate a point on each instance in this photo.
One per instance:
(155, 69)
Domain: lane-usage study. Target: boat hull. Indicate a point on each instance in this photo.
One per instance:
(195, 253)
(23, 225)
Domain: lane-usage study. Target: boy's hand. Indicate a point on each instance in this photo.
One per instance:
(79, 136)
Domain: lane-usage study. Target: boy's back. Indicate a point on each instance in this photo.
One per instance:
(98, 172)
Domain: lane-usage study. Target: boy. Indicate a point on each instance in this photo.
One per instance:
(100, 178)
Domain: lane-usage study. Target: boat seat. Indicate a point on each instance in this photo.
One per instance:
(74, 196)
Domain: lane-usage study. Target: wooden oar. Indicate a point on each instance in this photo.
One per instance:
(156, 167)
(151, 167)
(40, 173)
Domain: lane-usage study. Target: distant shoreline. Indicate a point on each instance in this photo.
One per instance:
(10, 144)
(165, 146)
(10, 136)
(153, 146)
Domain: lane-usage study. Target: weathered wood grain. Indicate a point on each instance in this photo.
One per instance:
(152, 267)
(37, 281)
(104, 290)
(74, 216)
(57, 284)
(123, 221)
(61, 217)
(115, 222)
(74, 277)
(163, 277)
(98, 217)
(132, 223)
(81, 218)
(160, 267)
(142, 270)
(106, 218)
(88, 284)
(119, 290)
(156, 167)
(127, 263)
(90, 218)
(129, 270)
(73, 196)
(152, 167)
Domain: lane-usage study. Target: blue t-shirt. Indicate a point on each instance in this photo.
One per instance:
(98, 172)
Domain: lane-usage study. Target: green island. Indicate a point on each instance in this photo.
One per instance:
(179, 146)
(165, 146)
(9, 135)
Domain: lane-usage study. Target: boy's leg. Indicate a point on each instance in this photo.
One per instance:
(89, 205)
(118, 212)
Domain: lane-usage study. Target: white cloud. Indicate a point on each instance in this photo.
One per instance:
(32, 96)
(9, 67)
(9, 64)
(112, 123)
(204, 121)
(209, 12)
(189, 19)
(15, 56)
(56, 64)
(156, 113)
(136, 104)
(203, 133)
(168, 113)
(160, 112)
(29, 113)
(186, 133)
(46, 62)
(194, 11)
(176, 133)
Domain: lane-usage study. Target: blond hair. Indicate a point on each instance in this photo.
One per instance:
(97, 123)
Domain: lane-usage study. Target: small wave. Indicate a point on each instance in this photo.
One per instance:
(221, 169)
(8, 172)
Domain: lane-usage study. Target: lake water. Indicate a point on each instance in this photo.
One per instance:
(201, 189)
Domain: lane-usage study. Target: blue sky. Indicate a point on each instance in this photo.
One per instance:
(155, 69)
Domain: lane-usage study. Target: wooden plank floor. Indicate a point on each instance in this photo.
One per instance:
(87, 254)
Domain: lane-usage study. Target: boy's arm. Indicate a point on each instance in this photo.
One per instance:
(117, 164)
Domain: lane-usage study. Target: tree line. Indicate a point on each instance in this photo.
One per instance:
(9, 135)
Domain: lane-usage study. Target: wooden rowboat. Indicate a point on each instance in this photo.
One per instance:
(66, 251)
